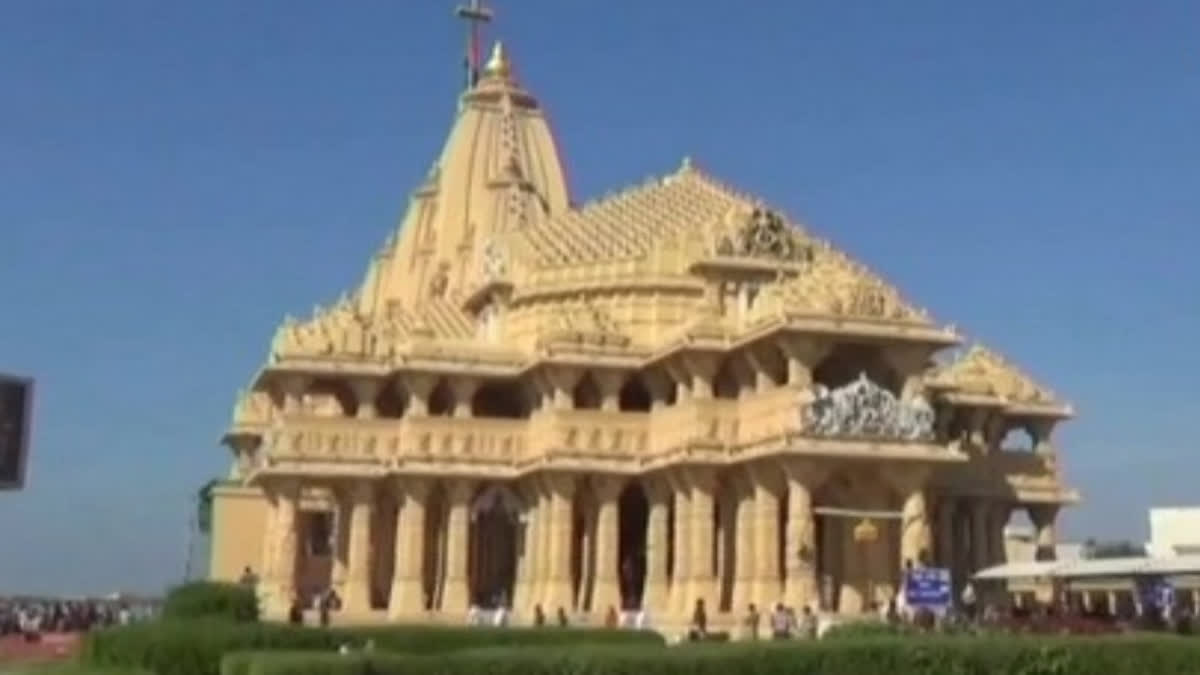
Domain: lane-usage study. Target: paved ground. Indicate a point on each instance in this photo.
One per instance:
(14, 649)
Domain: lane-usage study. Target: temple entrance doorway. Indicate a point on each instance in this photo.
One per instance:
(492, 550)
(858, 542)
(634, 514)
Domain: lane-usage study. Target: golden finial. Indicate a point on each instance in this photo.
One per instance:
(497, 64)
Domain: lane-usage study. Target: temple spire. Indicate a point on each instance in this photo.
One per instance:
(475, 15)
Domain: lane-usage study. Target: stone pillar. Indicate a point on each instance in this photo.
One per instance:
(523, 596)
(944, 541)
(1043, 517)
(609, 382)
(682, 546)
(407, 596)
(979, 534)
(915, 535)
(703, 582)
(766, 537)
(357, 596)
(419, 387)
(455, 594)
(341, 543)
(561, 383)
(744, 547)
(365, 392)
(541, 546)
(607, 588)
(283, 560)
(270, 548)
(657, 585)
(702, 368)
(463, 389)
(800, 553)
(294, 387)
(802, 356)
(559, 589)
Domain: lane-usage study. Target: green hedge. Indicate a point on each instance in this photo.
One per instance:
(196, 647)
(211, 599)
(910, 656)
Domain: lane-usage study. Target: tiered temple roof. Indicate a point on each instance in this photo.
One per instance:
(494, 216)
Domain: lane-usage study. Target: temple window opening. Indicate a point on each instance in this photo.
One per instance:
(725, 383)
(587, 394)
(441, 400)
(503, 399)
(1017, 439)
(391, 401)
(634, 396)
(318, 533)
(332, 398)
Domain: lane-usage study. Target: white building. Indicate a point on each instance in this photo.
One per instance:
(1174, 531)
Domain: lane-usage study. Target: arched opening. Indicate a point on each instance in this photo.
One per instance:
(433, 566)
(772, 362)
(857, 573)
(848, 361)
(492, 549)
(441, 400)
(1017, 438)
(587, 393)
(314, 562)
(634, 397)
(391, 402)
(634, 513)
(505, 399)
(725, 383)
(330, 397)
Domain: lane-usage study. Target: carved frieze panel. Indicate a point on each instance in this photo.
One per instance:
(493, 261)
(864, 409)
(764, 234)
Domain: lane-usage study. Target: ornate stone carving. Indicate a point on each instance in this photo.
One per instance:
(983, 371)
(862, 408)
(440, 280)
(764, 234)
(493, 261)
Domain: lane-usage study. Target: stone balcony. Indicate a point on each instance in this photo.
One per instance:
(389, 443)
(714, 430)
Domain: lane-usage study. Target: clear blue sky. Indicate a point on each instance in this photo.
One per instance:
(174, 177)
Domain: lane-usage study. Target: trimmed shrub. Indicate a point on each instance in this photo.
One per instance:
(908, 656)
(196, 647)
(211, 599)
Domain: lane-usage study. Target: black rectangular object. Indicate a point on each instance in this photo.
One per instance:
(16, 410)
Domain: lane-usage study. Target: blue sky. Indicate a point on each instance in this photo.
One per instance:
(174, 177)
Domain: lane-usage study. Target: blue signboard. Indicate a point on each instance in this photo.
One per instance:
(1156, 592)
(928, 587)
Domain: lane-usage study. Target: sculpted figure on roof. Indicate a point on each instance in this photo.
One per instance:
(764, 234)
(493, 261)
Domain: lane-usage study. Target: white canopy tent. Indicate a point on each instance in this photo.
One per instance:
(1082, 569)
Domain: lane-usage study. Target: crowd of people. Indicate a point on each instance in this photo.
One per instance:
(33, 617)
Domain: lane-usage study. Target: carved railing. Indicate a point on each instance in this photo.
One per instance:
(595, 434)
(769, 415)
(469, 440)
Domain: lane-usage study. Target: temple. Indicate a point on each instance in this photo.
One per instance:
(670, 395)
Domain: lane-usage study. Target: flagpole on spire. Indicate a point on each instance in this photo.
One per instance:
(475, 15)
